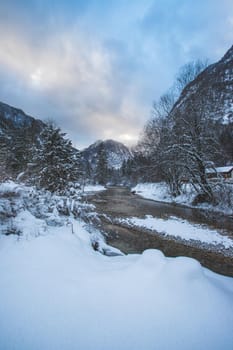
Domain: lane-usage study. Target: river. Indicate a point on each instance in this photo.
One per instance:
(119, 202)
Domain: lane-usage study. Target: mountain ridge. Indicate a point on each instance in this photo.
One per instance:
(215, 85)
(116, 153)
(13, 119)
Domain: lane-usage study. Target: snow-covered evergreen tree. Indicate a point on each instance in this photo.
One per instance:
(102, 167)
(4, 150)
(56, 162)
(20, 144)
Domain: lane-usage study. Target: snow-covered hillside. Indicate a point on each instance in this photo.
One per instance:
(215, 86)
(116, 153)
(56, 292)
(12, 118)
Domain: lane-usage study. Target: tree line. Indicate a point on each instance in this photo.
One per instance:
(174, 147)
(177, 146)
(47, 160)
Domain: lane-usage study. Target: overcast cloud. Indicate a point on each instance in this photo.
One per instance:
(95, 67)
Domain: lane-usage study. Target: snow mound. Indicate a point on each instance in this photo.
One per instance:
(56, 292)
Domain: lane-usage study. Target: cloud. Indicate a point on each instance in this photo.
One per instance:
(75, 80)
(190, 28)
(96, 66)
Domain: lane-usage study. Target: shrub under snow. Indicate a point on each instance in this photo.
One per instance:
(20, 204)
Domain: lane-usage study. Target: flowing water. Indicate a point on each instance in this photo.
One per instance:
(119, 202)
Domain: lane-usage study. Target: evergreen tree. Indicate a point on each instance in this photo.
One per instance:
(17, 150)
(4, 151)
(56, 162)
(102, 166)
(20, 144)
(87, 169)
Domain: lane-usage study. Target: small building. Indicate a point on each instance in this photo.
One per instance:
(226, 172)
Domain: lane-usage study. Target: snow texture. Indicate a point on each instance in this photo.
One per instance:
(57, 293)
(16, 118)
(176, 227)
(116, 153)
(223, 169)
(154, 191)
(93, 188)
(159, 192)
(215, 85)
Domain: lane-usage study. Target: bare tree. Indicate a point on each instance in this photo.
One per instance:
(150, 137)
(188, 73)
(163, 106)
(179, 143)
(195, 141)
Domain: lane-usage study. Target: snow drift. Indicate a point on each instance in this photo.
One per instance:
(56, 292)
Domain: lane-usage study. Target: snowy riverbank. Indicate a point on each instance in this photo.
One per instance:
(93, 188)
(159, 192)
(182, 229)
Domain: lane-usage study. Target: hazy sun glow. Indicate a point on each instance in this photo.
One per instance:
(128, 138)
(36, 77)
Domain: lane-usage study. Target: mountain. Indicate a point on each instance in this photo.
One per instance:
(13, 119)
(215, 86)
(211, 94)
(116, 153)
(18, 132)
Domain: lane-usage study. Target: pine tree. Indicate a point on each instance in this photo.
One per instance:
(56, 162)
(19, 155)
(17, 150)
(4, 151)
(87, 169)
(102, 166)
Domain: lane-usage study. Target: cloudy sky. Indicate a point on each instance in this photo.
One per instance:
(95, 66)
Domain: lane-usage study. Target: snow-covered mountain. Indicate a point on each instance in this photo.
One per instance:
(116, 153)
(215, 87)
(18, 132)
(12, 118)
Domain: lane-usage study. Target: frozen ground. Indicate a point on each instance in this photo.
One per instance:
(183, 229)
(57, 293)
(159, 192)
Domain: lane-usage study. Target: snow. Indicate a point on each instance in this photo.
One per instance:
(176, 227)
(9, 186)
(223, 169)
(154, 191)
(116, 153)
(227, 118)
(159, 192)
(93, 188)
(57, 293)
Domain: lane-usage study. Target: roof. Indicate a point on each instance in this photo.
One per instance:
(222, 169)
